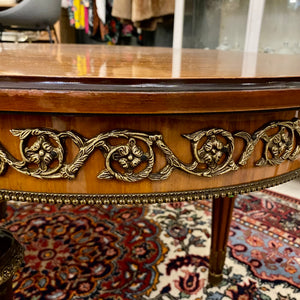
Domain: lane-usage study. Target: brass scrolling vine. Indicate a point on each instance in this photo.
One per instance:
(212, 152)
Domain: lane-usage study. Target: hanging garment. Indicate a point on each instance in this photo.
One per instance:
(91, 16)
(65, 3)
(110, 28)
(101, 10)
(143, 13)
(95, 17)
(71, 12)
(79, 14)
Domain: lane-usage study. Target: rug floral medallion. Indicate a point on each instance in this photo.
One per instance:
(156, 252)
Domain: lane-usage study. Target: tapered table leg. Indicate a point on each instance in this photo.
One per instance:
(221, 218)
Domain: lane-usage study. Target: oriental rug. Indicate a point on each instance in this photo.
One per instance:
(156, 252)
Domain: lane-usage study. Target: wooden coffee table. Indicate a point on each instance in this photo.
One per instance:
(127, 125)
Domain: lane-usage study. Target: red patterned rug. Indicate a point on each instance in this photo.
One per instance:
(156, 252)
(265, 234)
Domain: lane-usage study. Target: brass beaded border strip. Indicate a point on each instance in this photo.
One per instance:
(138, 199)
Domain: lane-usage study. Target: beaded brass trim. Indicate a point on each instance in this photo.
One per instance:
(143, 199)
(133, 160)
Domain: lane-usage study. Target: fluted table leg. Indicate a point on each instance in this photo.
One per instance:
(221, 218)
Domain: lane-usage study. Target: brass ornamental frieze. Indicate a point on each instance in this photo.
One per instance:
(132, 155)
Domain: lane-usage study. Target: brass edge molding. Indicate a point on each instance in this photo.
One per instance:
(149, 198)
(212, 152)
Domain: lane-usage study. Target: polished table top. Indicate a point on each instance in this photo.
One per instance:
(101, 61)
(150, 72)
